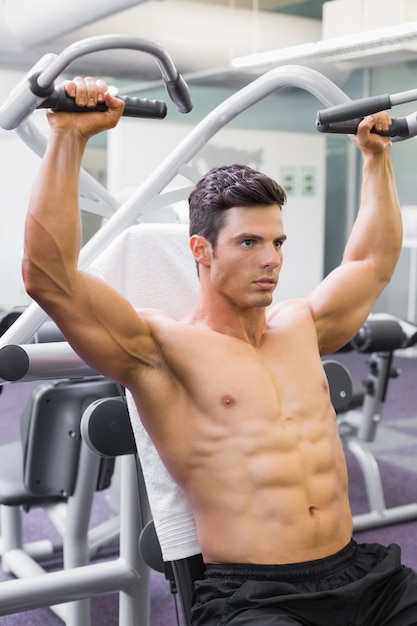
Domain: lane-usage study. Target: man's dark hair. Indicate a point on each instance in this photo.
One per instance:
(223, 188)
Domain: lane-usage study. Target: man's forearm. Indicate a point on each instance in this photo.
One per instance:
(53, 230)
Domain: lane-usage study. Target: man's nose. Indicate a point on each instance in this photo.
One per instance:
(271, 256)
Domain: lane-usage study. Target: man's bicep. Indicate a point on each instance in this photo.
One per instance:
(103, 328)
(342, 302)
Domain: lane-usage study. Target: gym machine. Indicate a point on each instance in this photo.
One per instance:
(380, 337)
(22, 360)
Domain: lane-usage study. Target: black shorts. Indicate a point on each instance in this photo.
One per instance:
(362, 585)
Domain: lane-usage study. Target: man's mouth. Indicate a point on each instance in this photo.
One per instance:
(265, 283)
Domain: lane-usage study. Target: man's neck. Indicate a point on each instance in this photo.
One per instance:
(221, 317)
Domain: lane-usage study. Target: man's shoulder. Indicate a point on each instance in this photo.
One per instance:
(287, 308)
(151, 313)
(163, 324)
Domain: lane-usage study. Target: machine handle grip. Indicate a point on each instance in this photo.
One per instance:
(134, 107)
(399, 127)
(356, 108)
(180, 94)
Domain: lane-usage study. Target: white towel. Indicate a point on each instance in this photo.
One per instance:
(152, 266)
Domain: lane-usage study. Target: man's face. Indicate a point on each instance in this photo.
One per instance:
(248, 257)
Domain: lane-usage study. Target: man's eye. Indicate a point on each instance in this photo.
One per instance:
(247, 243)
(279, 243)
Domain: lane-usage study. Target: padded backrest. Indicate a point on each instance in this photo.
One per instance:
(50, 433)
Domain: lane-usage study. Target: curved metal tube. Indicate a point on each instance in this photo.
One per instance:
(105, 42)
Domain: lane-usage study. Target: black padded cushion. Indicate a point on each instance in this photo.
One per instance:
(12, 489)
(106, 428)
(51, 436)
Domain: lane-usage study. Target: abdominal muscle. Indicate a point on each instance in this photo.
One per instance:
(253, 442)
(280, 497)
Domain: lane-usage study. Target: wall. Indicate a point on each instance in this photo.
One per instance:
(18, 165)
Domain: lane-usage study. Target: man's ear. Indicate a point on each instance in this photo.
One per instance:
(201, 249)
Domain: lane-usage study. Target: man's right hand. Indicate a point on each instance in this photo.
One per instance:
(88, 92)
(369, 142)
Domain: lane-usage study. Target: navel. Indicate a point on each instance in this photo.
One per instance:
(228, 401)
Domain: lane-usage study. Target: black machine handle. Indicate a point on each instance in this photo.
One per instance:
(134, 107)
(399, 127)
(355, 108)
(345, 118)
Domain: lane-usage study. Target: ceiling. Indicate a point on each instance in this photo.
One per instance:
(202, 36)
(302, 8)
